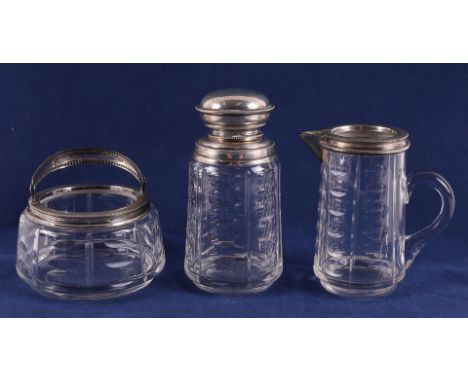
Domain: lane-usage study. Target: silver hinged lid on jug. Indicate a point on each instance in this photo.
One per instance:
(357, 139)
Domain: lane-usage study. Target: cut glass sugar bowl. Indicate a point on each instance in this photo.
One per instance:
(89, 241)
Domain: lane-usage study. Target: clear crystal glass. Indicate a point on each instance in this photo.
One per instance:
(89, 264)
(361, 246)
(89, 241)
(233, 227)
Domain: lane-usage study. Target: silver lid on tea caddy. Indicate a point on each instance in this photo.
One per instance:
(235, 118)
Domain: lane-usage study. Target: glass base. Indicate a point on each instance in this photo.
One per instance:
(97, 292)
(233, 287)
(357, 292)
(362, 288)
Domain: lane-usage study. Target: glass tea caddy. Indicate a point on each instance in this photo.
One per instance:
(362, 249)
(233, 241)
(89, 241)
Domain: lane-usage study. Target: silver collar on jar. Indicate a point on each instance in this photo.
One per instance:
(235, 118)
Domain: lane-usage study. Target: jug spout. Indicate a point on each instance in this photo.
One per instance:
(312, 140)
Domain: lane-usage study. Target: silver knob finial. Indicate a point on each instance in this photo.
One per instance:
(235, 109)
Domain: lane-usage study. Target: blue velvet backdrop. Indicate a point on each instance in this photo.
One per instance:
(147, 112)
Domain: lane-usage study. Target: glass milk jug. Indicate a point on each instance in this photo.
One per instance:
(233, 242)
(361, 246)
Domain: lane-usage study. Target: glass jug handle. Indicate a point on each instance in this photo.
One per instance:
(416, 241)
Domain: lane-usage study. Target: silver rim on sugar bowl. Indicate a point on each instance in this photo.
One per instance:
(41, 213)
